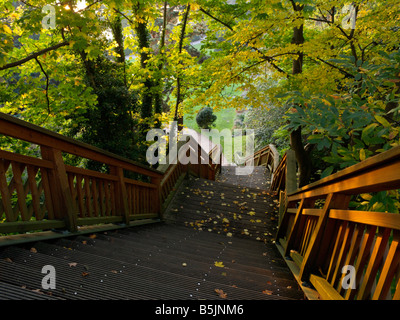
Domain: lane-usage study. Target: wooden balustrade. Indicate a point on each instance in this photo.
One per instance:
(207, 166)
(267, 156)
(42, 193)
(324, 237)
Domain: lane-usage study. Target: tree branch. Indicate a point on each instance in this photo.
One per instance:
(216, 19)
(336, 67)
(47, 84)
(33, 56)
(124, 15)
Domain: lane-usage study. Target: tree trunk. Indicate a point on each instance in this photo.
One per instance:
(178, 117)
(147, 99)
(296, 141)
(158, 101)
(116, 27)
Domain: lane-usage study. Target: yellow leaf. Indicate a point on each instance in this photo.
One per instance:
(219, 264)
(7, 29)
(362, 155)
(194, 6)
(382, 121)
(366, 196)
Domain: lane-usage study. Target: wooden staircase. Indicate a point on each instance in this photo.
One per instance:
(216, 243)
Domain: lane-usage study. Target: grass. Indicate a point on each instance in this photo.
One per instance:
(225, 120)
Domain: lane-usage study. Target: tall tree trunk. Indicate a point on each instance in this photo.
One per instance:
(116, 27)
(178, 117)
(158, 101)
(296, 141)
(144, 45)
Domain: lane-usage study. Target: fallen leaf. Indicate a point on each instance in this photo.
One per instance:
(221, 293)
(72, 264)
(219, 264)
(252, 213)
(33, 250)
(114, 271)
(268, 292)
(184, 264)
(37, 291)
(7, 259)
(85, 274)
(92, 236)
(84, 242)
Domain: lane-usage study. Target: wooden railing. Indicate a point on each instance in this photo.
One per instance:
(42, 193)
(267, 156)
(207, 166)
(343, 253)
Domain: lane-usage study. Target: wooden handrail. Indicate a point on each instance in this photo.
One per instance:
(41, 193)
(322, 235)
(14, 127)
(267, 156)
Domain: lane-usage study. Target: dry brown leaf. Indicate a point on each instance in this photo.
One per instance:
(221, 293)
(37, 291)
(7, 259)
(268, 292)
(85, 274)
(33, 250)
(92, 236)
(114, 271)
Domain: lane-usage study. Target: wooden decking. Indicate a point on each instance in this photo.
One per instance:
(217, 242)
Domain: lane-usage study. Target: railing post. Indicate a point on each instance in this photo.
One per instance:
(291, 176)
(121, 194)
(199, 163)
(64, 205)
(333, 201)
(157, 196)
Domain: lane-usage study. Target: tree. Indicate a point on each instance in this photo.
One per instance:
(301, 46)
(302, 56)
(205, 118)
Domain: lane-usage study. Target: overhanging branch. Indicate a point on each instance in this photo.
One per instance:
(33, 56)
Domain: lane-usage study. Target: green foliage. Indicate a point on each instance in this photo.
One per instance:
(205, 118)
(109, 125)
(355, 125)
(268, 123)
